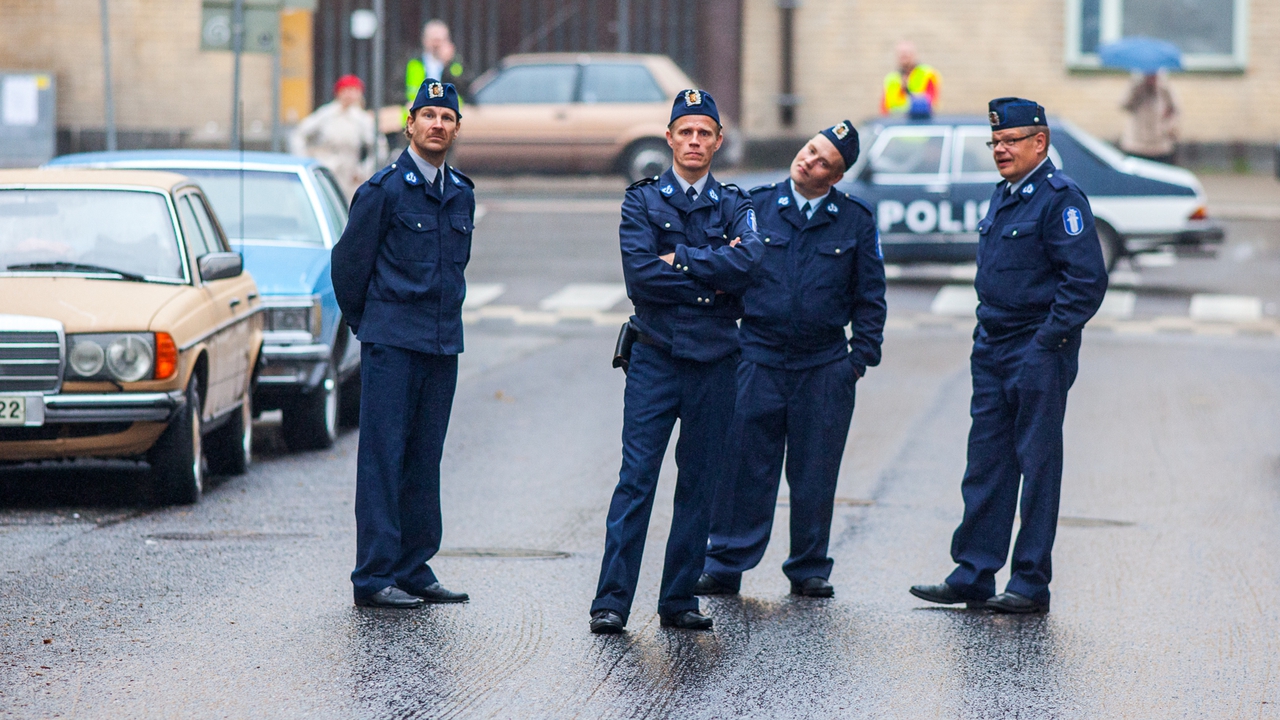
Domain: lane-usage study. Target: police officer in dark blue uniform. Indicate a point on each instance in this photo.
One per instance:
(822, 272)
(689, 247)
(398, 277)
(1040, 278)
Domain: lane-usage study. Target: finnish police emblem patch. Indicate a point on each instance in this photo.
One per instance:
(879, 251)
(692, 98)
(1028, 189)
(411, 178)
(831, 208)
(994, 117)
(784, 201)
(712, 194)
(668, 190)
(1073, 221)
(435, 90)
(841, 131)
(751, 219)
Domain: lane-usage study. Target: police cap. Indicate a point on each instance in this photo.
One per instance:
(845, 137)
(1012, 112)
(438, 94)
(694, 102)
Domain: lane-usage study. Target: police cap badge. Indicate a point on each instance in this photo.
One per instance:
(694, 102)
(845, 138)
(1012, 112)
(434, 93)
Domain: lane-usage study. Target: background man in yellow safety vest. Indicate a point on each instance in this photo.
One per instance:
(439, 60)
(910, 82)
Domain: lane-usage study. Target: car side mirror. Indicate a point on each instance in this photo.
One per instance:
(220, 265)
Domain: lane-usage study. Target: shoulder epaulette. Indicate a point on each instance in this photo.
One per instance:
(457, 175)
(642, 182)
(731, 186)
(1058, 181)
(381, 175)
(859, 201)
(763, 188)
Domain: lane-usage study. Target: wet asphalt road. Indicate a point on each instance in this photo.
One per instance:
(1167, 561)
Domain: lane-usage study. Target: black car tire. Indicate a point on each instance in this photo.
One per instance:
(311, 419)
(349, 402)
(177, 458)
(645, 158)
(230, 447)
(1111, 248)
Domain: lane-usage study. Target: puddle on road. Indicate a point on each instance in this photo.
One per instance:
(503, 553)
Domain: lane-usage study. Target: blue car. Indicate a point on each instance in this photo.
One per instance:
(283, 214)
(930, 182)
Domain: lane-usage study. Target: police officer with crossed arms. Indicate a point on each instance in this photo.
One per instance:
(822, 272)
(398, 278)
(689, 248)
(1040, 278)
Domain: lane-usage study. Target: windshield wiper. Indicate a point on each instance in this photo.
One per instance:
(77, 267)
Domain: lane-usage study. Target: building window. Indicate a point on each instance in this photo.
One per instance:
(1212, 34)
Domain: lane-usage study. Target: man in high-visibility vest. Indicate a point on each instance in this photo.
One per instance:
(907, 89)
(439, 60)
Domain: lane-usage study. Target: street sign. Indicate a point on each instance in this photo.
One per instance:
(261, 25)
(26, 118)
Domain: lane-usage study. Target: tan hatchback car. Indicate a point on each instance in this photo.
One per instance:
(601, 112)
(127, 327)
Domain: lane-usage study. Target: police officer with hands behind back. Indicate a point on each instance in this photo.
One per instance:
(822, 271)
(398, 278)
(689, 247)
(1040, 278)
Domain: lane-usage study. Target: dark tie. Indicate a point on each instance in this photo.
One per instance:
(691, 194)
(804, 210)
(438, 183)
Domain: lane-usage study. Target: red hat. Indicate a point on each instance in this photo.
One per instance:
(348, 81)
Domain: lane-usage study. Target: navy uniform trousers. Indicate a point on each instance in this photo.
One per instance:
(804, 415)
(405, 401)
(1018, 407)
(660, 390)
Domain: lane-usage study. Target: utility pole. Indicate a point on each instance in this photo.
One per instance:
(379, 55)
(624, 26)
(275, 93)
(237, 49)
(109, 101)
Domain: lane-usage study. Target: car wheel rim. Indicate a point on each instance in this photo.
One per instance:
(331, 407)
(247, 439)
(197, 451)
(648, 162)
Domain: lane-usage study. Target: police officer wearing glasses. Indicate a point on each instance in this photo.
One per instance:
(397, 275)
(822, 272)
(689, 248)
(1040, 278)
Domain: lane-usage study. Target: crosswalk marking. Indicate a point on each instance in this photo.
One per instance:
(1225, 308)
(955, 300)
(595, 297)
(481, 294)
(1118, 304)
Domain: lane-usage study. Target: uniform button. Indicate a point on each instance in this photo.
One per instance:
(1015, 233)
(766, 239)
(393, 165)
(666, 225)
(726, 237)
(419, 224)
(837, 251)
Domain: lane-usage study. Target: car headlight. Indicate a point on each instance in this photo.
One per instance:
(298, 316)
(125, 357)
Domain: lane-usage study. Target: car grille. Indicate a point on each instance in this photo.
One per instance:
(30, 360)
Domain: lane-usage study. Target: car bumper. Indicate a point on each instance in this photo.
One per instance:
(292, 368)
(102, 407)
(1199, 238)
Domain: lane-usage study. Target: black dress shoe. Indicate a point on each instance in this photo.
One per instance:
(944, 594)
(687, 620)
(1013, 603)
(436, 593)
(390, 597)
(708, 585)
(814, 587)
(607, 622)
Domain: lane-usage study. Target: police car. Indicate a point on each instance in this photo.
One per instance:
(931, 181)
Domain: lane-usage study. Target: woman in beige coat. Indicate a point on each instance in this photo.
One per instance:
(342, 135)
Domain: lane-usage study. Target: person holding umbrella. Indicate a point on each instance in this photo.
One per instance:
(1152, 129)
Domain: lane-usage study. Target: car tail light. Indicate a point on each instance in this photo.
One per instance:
(1201, 213)
(166, 356)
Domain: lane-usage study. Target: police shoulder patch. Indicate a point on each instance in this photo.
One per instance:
(642, 182)
(1073, 221)
(751, 220)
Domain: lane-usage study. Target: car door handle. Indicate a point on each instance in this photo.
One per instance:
(253, 296)
(234, 303)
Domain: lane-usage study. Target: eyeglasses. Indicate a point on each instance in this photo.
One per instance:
(993, 144)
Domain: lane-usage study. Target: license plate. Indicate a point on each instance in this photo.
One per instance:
(13, 411)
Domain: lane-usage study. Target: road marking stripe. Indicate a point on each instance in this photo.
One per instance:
(1118, 304)
(1225, 308)
(481, 294)
(585, 296)
(955, 300)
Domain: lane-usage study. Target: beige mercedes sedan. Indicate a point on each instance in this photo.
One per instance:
(569, 112)
(128, 329)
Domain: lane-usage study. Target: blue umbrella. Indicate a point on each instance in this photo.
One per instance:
(1143, 54)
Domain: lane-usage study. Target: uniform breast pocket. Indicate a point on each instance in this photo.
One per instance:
(834, 263)
(462, 228)
(414, 236)
(670, 227)
(1019, 247)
